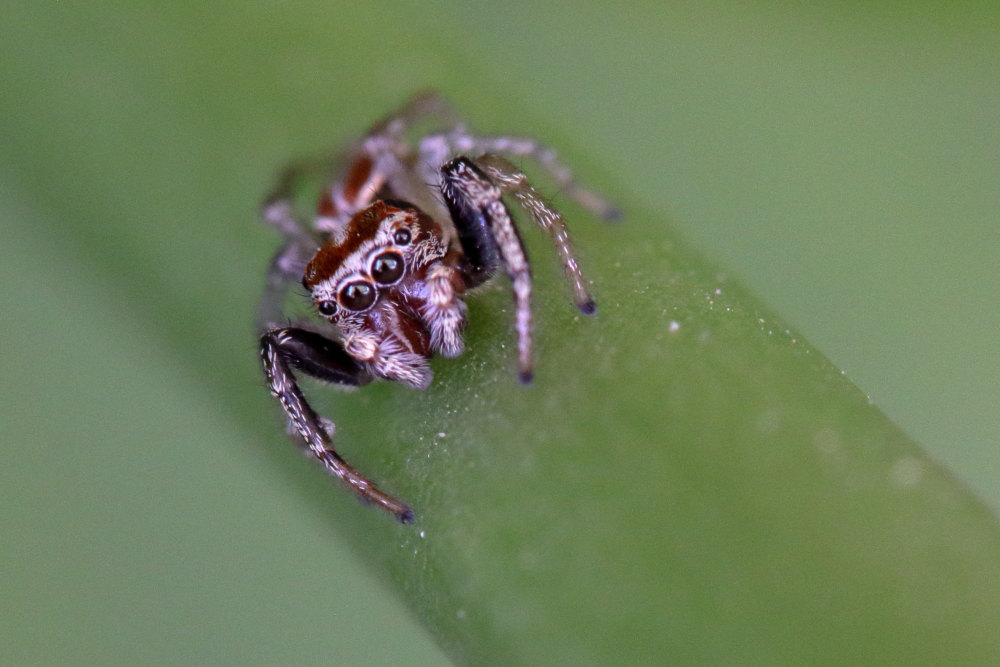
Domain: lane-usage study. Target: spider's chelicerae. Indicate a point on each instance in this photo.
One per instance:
(407, 228)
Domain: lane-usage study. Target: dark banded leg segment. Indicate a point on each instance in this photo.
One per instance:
(489, 238)
(308, 352)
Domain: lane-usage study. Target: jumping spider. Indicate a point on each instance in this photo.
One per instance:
(397, 240)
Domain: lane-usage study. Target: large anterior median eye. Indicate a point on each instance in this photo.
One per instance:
(387, 268)
(358, 295)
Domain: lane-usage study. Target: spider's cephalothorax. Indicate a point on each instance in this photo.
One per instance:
(390, 290)
(397, 241)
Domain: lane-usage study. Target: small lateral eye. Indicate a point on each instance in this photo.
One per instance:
(358, 295)
(401, 236)
(327, 308)
(387, 268)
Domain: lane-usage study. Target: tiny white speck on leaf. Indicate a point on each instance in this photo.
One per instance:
(907, 471)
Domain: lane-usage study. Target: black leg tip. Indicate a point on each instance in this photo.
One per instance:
(587, 307)
(405, 516)
(526, 377)
(612, 214)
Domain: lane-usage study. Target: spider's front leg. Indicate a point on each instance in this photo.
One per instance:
(513, 182)
(282, 349)
(489, 237)
(472, 190)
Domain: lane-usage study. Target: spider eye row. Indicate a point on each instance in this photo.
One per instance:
(386, 269)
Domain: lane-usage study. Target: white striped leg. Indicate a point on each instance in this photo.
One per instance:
(514, 182)
(287, 265)
(322, 358)
(488, 235)
(426, 105)
(546, 157)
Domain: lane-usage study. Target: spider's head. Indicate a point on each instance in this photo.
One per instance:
(379, 264)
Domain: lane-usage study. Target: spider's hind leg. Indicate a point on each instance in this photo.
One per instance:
(426, 105)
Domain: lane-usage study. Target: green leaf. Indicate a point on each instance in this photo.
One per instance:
(687, 481)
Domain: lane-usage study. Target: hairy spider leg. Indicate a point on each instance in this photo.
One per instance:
(322, 358)
(288, 263)
(283, 273)
(489, 238)
(422, 106)
(438, 148)
(406, 174)
(513, 182)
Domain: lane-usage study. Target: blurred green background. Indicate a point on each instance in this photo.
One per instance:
(842, 160)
